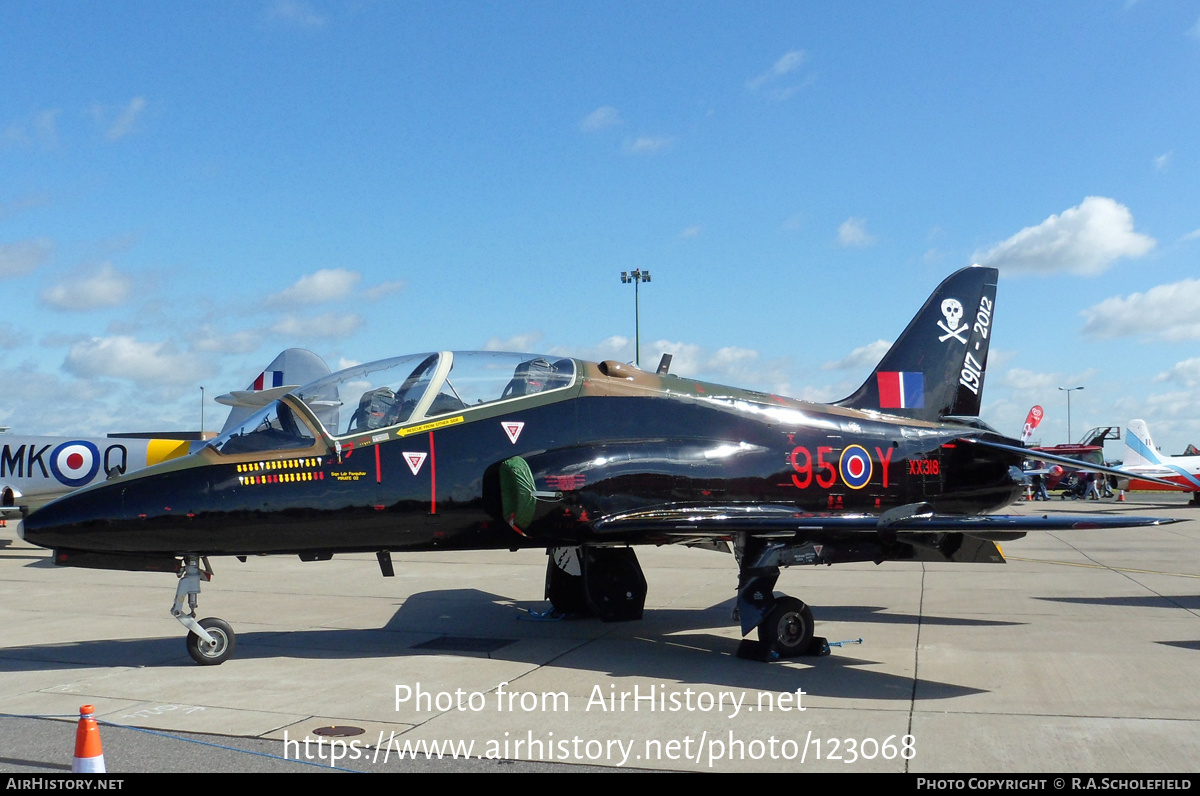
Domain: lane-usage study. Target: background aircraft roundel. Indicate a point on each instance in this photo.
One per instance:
(75, 463)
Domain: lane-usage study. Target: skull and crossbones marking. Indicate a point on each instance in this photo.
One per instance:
(953, 310)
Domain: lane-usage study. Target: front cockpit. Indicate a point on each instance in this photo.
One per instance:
(395, 392)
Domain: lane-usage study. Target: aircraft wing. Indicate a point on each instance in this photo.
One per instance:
(783, 536)
(787, 521)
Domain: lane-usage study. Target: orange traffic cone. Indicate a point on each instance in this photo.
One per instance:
(1121, 496)
(89, 757)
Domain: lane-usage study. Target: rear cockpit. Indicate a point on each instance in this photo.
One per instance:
(397, 391)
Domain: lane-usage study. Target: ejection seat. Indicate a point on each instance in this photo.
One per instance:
(377, 408)
(538, 375)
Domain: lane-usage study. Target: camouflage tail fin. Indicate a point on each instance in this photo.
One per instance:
(937, 365)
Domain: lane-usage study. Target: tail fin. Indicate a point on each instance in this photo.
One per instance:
(293, 368)
(937, 365)
(1139, 447)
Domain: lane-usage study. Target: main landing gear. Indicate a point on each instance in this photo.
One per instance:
(210, 641)
(608, 583)
(784, 624)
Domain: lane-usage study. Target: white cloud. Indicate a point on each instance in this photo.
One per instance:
(376, 292)
(328, 284)
(692, 231)
(1165, 312)
(1163, 161)
(1193, 235)
(520, 342)
(41, 128)
(326, 325)
(17, 206)
(732, 365)
(793, 222)
(1031, 381)
(853, 232)
(123, 124)
(10, 337)
(1174, 417)
(210, 340)
(788, 62)
(123, 357)
(28, 391)
(1032, 387)
(24, 256)
(603, 117)
(863, 358)
(774, 83)
(295, 12)
(617, 347)
(89, 289)
(1186, 373)
(1194, 30)
(646, 144)
(742, 367)
(1086, 239)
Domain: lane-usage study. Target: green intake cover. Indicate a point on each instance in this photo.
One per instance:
(516, 492)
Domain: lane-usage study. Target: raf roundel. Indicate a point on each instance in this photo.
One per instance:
(75, 463)
(856, 467)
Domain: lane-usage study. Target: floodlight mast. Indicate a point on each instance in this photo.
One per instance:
(1068, 391)
(636, 276)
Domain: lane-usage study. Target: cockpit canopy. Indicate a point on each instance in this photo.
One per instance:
(395, 391)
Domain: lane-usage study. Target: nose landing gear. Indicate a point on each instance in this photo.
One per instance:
(210, 641)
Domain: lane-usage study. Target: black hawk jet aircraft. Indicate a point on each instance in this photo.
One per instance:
(485, 450)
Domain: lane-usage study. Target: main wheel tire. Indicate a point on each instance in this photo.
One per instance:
(787, 629)
(207, 654)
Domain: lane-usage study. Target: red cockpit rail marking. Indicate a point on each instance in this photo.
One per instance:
(432, 478)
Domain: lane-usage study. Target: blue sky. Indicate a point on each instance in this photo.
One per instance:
(187, 189)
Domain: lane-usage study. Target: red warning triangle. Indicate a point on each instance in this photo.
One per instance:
(415, 460)
(513, 429)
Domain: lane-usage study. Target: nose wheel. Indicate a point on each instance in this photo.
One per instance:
(219, 649)
(210, 641)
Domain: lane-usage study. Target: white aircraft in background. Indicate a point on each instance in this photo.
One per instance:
(1142, 460)
(36, 470)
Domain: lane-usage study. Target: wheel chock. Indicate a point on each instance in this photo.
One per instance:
(755, 650)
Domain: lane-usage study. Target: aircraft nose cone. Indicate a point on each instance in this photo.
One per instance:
(74, 520)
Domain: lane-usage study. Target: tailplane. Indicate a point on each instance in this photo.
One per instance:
(293, 368)
(937, 365)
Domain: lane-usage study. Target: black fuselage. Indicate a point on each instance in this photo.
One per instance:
(590, 456)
